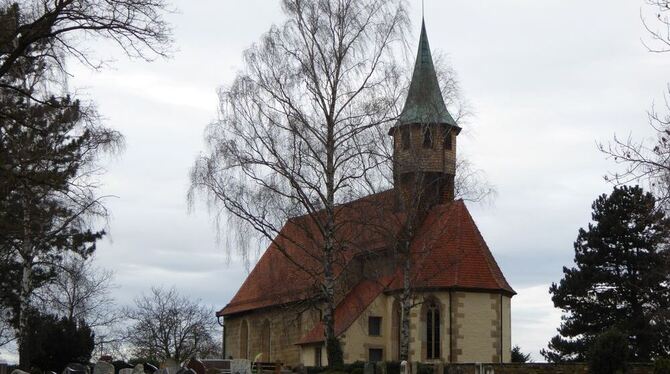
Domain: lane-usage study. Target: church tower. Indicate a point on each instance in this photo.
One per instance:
(424, 150)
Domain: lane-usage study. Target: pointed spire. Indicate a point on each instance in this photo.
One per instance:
(424, 102)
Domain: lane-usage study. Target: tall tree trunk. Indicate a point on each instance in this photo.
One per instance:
(24, 295)
(333, 348)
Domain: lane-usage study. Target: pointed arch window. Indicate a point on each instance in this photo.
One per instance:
(433, 331)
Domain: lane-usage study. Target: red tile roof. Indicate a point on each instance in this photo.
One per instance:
(448, 253)
(346, 312)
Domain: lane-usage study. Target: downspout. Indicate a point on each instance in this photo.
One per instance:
(451, 328)
(223, 325)
(501, 328)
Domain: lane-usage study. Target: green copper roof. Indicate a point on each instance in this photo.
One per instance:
(424, 99)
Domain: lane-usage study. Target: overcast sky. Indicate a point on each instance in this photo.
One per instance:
(546, 79)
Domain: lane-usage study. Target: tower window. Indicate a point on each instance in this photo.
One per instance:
(447, 140)
(427, 137)
(405, 138)
(374, 326)
(433, 331)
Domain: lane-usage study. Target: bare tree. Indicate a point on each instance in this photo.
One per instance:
(648, 160)
(59, 26)
(81, 291)
(292, 138)
(166, 325)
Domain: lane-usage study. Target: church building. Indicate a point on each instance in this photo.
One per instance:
(458, 298)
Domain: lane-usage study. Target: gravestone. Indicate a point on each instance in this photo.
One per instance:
(126, 371)
(240, 366)
(103, 367)
(169, 363)
(138, 369)
(380, 367)
(405, 368)
(369, 368)
(76, 368)
(183, 370)
(196, 365)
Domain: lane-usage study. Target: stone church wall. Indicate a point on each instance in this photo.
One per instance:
(287, 326)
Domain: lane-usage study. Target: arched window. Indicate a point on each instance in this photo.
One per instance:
(244, 340)
(433, 331)
(265, 341)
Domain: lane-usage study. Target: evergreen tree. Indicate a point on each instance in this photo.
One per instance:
(519, 356)
(53, 342)
(620, 279)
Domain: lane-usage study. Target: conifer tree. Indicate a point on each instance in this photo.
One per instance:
(620, 279)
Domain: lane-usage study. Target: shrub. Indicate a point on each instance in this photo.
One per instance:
(393, 367)
(608, 353)
(662, 366)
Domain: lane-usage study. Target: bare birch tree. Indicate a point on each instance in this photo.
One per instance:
(292, 136)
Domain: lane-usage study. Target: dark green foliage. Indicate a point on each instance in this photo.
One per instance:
(357, 371)
(662, 366)
(53, 343)
(393, 367)
(334, 353)
(425, 369)
(315, 369)
(620, 279)
(609, 353)
(518, 356)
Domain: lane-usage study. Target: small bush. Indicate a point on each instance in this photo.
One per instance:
(393, 367)
(662, 366)
(608, 353)
(425, 369)
(315, 369)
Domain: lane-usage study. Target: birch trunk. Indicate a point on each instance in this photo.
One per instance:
(24, 295)
(405, 302)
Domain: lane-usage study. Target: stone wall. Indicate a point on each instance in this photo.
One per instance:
(535, 368)
(286, 327)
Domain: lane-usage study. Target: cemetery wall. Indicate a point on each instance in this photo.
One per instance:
(536, 368)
